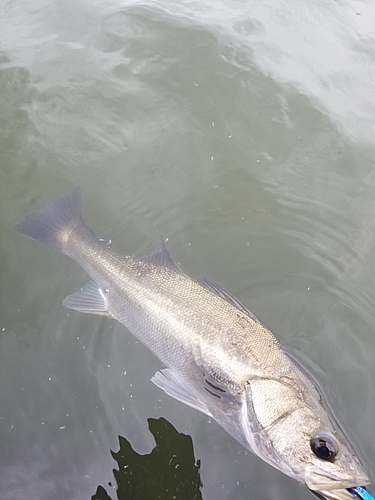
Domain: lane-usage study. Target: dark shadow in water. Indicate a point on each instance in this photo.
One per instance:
(169, 472)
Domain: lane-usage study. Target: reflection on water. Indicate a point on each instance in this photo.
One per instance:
(169, 472)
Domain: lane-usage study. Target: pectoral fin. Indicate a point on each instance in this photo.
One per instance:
(174, 387)
(89, 299)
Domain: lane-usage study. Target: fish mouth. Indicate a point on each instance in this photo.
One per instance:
(331, 487)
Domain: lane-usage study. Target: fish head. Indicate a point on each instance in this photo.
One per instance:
(330, 466)
(293, 431)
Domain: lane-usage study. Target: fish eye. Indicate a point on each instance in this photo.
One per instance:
(325, 446)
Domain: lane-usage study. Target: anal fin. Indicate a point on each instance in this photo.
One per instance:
(174, 387)
(89, 299)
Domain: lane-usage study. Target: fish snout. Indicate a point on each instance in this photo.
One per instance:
(333, 487)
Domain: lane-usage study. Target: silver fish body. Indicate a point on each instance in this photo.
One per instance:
(220, 358)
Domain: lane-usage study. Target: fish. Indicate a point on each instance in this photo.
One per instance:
(218, 356)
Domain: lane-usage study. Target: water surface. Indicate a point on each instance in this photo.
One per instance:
(244, 133)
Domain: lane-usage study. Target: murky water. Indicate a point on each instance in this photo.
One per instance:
(245, 134)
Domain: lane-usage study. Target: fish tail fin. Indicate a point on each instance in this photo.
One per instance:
(53, 224)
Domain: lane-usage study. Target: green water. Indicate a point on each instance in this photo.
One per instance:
(243, 133)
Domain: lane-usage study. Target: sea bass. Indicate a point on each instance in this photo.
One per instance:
(220, 357)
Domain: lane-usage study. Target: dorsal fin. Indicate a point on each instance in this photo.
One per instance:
(224, 294)
(163, 258)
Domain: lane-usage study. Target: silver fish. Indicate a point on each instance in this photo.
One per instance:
(220, 358)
